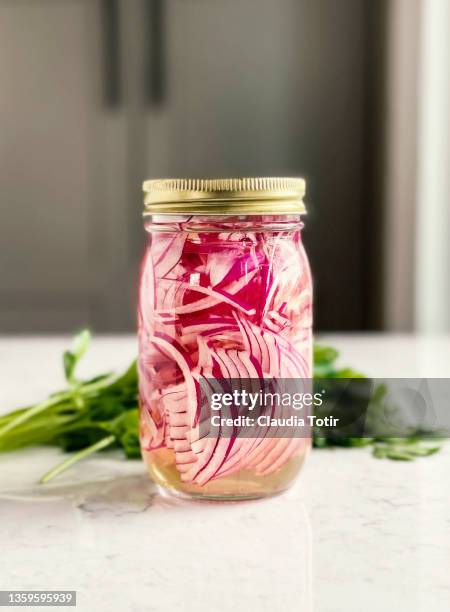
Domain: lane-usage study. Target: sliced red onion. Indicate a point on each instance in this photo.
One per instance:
(219, 305)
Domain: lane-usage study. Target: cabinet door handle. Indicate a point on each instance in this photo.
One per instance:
(111, 53)
(155, 53)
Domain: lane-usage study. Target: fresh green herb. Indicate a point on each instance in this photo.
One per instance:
(89, 416)
(102, 412)
(399, 449)
(403, 450)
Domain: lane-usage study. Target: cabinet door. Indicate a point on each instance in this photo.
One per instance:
(61, 172)
(257, 87)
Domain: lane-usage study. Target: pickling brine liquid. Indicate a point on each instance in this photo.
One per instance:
(243, 484)
(223, 300)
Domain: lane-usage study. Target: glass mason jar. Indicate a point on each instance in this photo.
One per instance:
(225, 292)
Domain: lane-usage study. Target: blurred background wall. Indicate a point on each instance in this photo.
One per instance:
(97, 95)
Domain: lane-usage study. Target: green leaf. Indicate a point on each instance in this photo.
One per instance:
(71, 358)
(81, 344)
(399, 449)
(131, 445)
(80, 438)
(348, 373)
(321, 442)
(126, 422)
(128, 381)
(69, 362)
(106, 408)
(324, 354)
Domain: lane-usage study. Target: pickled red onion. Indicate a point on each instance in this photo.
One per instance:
(219, 306)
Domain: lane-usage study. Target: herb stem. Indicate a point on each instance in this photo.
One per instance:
(85, 452)
(53, 401)
(31, 412)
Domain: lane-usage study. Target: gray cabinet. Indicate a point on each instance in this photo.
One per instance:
(97, 95)
(257, 87)
(62, 171)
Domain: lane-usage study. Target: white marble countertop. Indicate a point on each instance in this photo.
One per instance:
(353, 534)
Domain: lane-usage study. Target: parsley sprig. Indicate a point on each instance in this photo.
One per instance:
(415, 445)
(88, 416)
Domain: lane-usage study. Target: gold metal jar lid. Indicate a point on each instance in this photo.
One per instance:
(225, 196)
